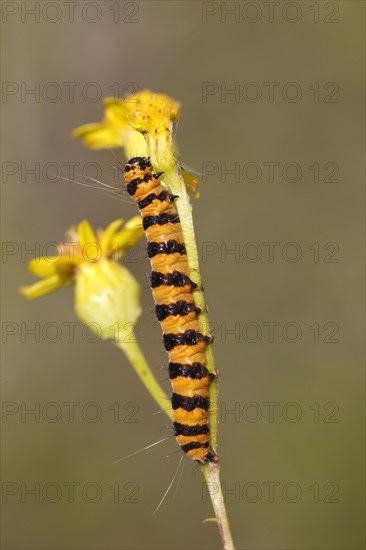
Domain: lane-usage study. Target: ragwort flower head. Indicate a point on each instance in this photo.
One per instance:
(144, 126)
(106, 292)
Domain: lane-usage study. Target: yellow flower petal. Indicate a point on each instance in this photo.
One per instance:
(43, 267)
(99, 136)
(133, 223)
(191, 182)
(81, 131)
(110, 132)
(108, 235)
(116, 110)
(134, 144)
(52, 265)
(127, 238)
(86, 234)
(44, 287)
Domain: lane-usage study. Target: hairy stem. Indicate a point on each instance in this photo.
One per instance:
(176, 185)
(211, 471)
(173, 179)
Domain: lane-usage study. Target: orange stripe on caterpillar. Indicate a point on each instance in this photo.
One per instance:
(174, 305)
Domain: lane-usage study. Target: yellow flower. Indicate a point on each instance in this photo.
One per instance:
(114, 131)
(119, 127)
(144, 126)
(107, 294)
(154, 118)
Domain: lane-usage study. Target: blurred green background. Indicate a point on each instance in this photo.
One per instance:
(292, 454)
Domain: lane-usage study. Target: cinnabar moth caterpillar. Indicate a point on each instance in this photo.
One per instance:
(175, 309)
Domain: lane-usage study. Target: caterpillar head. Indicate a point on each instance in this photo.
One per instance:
(138, 163)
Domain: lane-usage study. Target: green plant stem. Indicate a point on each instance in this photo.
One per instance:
(143, 371)
(176, 185)
(211, 471)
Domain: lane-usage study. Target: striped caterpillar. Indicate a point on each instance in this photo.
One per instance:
(175, 309)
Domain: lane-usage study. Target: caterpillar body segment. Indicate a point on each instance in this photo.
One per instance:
(175, 309)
